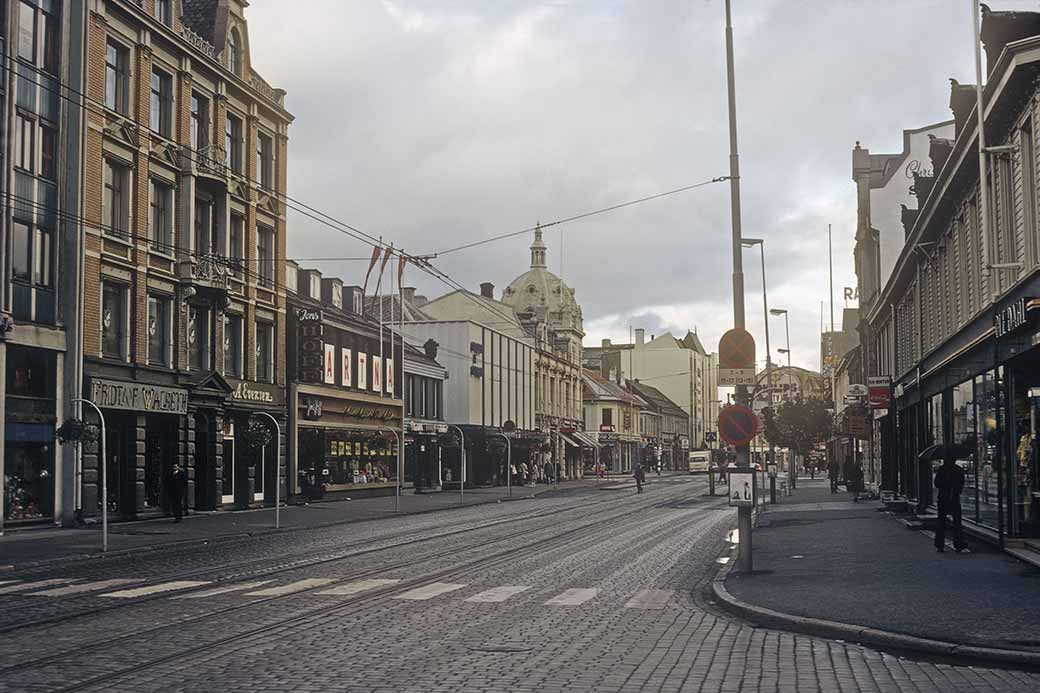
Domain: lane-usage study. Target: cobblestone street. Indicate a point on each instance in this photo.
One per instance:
(583, 591)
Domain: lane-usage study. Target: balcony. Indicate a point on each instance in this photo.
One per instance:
(207, 274)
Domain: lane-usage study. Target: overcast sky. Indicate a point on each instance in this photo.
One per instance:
(435, 123)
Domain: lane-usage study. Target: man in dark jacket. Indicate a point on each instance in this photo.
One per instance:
(833, 470)
(640, 477)
(175, 485)
(949, 482)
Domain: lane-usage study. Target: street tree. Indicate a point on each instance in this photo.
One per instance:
(799, 424)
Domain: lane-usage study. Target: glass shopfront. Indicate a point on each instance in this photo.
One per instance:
(29, 446)
(344, 458)
(1024, 466)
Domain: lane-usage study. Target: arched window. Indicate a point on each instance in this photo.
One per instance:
(234, 58)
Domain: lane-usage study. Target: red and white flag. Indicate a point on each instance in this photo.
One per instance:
(371, 265)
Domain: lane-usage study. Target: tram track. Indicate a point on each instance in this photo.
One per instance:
(595, 522)
(353, 606)
(297, 561)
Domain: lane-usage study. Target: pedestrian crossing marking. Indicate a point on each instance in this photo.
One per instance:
(7, 582)
(573, 597)
(650, 599)
(357, 586)
(298, 586)
(23, 586)
(222, 590)
(497, 594)
(155, 589)
(429, 591)
(81, 588)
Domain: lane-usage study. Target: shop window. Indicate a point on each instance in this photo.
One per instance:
(161, 222)
(159, 330)
(113, 320)
(199, 123)
(117, 78)
(264, 352)
(199, 336)
(161, 113)
(232, 345)
(115, 212)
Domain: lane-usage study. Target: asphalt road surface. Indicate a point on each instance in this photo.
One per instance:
(583, 591)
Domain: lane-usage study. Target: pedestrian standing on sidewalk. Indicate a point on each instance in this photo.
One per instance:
(175, 483)
(949, 481)
(832, 473)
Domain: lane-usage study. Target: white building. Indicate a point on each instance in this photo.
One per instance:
(680, 368)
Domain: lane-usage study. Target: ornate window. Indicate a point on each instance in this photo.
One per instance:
(234, 56)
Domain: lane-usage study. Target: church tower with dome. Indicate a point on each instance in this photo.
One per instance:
(547, 309)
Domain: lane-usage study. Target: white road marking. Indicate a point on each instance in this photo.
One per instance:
(650, 599)
(498, 594)
(429, 591)
(298, 586)
(722, 559)
(222, 590)
(572, 597)
(357, 586)
(85, 587)
(22, 586)
(7, 582)
(156, 589)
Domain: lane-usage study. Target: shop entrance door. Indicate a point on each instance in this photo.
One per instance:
(122, 466)
(1024, 476)
(204, 472)
(227, 493)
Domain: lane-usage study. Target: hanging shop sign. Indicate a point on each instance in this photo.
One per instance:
(312, 354)
(151, 399)
(879, 391)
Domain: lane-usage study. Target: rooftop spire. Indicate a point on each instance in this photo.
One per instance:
(538, 249)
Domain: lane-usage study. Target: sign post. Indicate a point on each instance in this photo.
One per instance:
(738, 425)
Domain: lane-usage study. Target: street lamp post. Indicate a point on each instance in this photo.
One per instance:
(277, 468)
(749, 243)
(791, 475)
(400, 448)
(509, 463)
(104, 473)
(462, 463)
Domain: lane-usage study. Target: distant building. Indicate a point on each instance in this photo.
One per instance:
(672, 434)
(680, 368)
(612, 419)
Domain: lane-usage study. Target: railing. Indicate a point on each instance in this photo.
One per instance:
(199, 43)
(209, 269)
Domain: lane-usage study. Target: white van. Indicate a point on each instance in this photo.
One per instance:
(700, 461)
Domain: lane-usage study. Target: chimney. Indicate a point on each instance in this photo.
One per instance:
(487, 290)
(408, 293)
(639, 336)
(430, 347)
(420, 301)
(605, 343)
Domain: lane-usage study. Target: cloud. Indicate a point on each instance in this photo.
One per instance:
(433, 124)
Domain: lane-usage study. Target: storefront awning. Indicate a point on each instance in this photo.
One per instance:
(587, 440)
(567, 437)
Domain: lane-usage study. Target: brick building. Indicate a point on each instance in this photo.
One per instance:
(184, 307)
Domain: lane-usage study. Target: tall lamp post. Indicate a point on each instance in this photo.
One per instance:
(790, 384)
(104, 472)
(750, 243)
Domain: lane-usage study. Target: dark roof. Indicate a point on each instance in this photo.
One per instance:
(416, 355)
(201, 17)
(692, 341)
(390, 304)
(657, 399)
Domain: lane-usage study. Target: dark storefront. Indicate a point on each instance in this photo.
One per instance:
(29, 447)
(985, 404)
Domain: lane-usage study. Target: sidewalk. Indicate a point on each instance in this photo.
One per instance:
(826, 565)
(31, 546)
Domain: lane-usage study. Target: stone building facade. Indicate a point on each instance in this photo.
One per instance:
(184, 306)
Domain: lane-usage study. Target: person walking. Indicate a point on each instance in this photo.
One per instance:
(832, 474)
(640, 477)
(174, 484)
(949, 481)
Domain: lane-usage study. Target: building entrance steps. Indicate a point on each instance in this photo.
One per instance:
(836, 568)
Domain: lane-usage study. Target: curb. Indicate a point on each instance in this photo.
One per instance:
(222, 538)
(865, 635)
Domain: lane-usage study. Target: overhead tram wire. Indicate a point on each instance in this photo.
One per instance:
(583, 215)
(326, 219)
